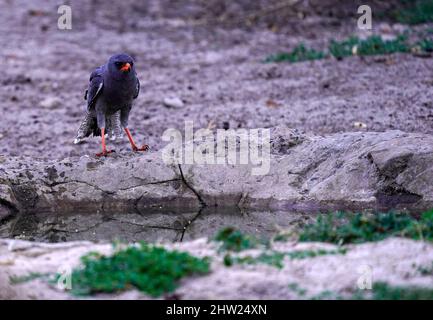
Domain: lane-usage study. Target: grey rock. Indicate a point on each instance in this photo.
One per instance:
(349, 171)
(173, 102)
(50, 103)
(282, 139)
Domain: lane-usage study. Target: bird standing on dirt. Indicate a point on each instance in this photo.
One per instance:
(111, 90)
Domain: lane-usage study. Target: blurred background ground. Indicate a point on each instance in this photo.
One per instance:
(208, 54)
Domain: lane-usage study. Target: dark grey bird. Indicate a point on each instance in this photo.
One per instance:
(112, 89)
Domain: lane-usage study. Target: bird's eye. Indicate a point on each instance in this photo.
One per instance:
(118, 64)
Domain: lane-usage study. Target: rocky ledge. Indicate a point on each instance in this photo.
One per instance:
(346, 171)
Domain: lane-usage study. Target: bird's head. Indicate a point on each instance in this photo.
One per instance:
(121, 64)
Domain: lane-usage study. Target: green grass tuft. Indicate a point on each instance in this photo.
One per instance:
(384, 291)
(381, 291)
(358, 228)
(233, 240)
(373, 45)
(275, 259)
(327, 295)
(31, 276)
(281, 237)
(294, 287)
(298, 54)
(426, 45)
(344, 48)
(426, 270)
(150, 269)
(415, 12)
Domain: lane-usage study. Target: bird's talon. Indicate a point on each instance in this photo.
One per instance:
(143, 148)
(105, 153)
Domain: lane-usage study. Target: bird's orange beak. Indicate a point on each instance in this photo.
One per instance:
(126, 67)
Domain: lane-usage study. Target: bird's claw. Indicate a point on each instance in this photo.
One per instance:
(105, 153)
(143, 148)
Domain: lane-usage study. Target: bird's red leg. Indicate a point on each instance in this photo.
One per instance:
(133, 145)
(104, 152)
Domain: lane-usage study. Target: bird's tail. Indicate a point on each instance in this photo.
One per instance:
(89, 126)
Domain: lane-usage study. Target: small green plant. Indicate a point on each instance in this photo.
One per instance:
(298, 54)
(281, 237)
(384, 291)
(233, 240)
(414, 12)
(31, 276)
(376, 45)
(381, 291)
(426, 270)
(342, 49)
(426, 45)
(373, 45)
(421, 229)
(326, 295)
(152, 270)
(303, 254)
(358, 228)
(294, 287)
(276, 258)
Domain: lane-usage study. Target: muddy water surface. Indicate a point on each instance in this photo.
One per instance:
(152, 227)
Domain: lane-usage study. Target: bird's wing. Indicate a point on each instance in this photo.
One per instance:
(95, 88)
(137, 89)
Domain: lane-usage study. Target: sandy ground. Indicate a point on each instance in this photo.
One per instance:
(217, 72)
(394, 261)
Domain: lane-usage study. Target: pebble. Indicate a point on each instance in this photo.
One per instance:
(50, 103)
(360, 125)
(173, 102)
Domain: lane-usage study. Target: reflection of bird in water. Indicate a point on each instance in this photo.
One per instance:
(111, 90)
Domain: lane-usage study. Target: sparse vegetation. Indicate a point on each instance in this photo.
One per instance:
(276, 258)
(426, 45)
(294, 287)
(373, 45)
(426, 270)
(327, 295)
(384, 291)
(233, 240)
(344, 48)
(414, 12)
(381, 291)
(298, 54)
(282, 237)
(358, 228)
(150, 269)
(29, 277)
